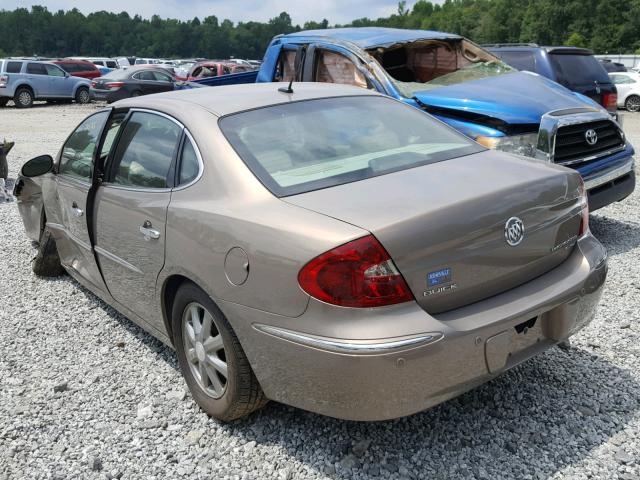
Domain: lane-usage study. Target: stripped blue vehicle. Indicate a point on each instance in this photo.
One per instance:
(467, 87)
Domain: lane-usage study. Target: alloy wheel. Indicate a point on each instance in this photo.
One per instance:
(204, 349)
(24, 98)
(83, 96)
(633, 104)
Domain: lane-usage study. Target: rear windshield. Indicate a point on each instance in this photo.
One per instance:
(577, 70)
(303, 146)
(117, 74)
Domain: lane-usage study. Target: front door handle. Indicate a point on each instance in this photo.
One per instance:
(76, 211)
(149, 232)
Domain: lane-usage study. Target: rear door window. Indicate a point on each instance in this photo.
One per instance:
(161, 77)
(145, 151)
(14, 67)
(112, 64)
(145, 75)
(36, 69)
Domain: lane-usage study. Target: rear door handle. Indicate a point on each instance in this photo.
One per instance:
(149, 232)
(76, 211)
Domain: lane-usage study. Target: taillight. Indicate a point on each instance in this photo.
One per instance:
(357, 274)
(3, 80)
(610, 101)
(113, 85)
(584, 220)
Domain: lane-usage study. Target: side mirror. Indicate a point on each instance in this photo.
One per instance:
(67, 74)
(37, 166)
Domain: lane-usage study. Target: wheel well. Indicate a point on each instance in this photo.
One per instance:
(169, 291)
(24, 85)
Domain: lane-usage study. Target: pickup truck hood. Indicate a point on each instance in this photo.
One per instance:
(514, 98)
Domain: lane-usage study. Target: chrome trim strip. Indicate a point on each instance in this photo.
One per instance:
(164, 190)
(118, 260)
(593, 157)
(368, 347)
(612, 175)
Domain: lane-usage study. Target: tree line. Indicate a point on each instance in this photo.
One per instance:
(606, 26)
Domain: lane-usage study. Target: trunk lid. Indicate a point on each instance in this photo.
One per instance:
(444, 224)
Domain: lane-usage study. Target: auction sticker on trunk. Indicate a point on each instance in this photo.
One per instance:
(439, 277)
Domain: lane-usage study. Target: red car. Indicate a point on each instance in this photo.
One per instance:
(78, 68)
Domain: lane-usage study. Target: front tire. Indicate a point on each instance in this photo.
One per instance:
(46, 263)
(632, 103)
(211, 358)
(23, 98)
(83, 96)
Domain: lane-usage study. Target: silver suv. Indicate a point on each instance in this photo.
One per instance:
(24, 81)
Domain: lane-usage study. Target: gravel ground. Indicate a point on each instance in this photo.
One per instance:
(84, 393)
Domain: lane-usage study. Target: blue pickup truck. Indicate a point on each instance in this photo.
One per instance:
(466, 87)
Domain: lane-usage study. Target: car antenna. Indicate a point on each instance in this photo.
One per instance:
(287, 89)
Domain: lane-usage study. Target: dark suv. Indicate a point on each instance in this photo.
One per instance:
(575, 68)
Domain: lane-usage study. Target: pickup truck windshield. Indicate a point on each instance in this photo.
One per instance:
(430, 64)
(308, 145)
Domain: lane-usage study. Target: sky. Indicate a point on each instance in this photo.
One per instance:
(336, 11)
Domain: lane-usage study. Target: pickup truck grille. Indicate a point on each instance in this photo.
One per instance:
(572, 146)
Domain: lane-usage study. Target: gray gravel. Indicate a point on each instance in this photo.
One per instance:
(84, 393)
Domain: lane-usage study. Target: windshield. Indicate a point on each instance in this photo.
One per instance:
(303, 146)
(430, 64)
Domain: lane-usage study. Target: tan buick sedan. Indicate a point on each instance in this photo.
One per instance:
(329, 248)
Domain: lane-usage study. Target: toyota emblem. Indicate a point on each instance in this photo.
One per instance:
(591, 137)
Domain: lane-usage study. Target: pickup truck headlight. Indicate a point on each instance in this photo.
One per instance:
(519, 144)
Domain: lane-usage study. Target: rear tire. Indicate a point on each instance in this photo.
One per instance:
(46, 263)
(212, 347)
(632, 103)
(23, 98)
(83, 96)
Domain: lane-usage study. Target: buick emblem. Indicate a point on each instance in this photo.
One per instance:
(514, 231)
(591, 137)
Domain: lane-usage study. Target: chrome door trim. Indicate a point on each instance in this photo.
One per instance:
(116, 259)
(362, 347)
(163, 190)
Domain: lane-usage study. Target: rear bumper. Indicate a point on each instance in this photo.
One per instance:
(378, 364)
